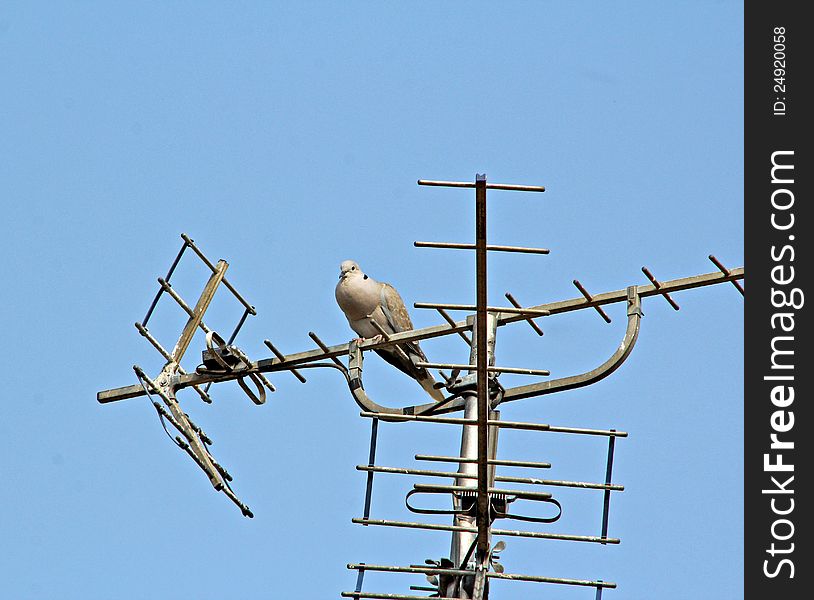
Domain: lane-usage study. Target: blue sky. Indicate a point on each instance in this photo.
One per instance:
(288, 137)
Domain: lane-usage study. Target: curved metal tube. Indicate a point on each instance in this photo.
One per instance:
(634, 317)
(456, 403)
(364, 401)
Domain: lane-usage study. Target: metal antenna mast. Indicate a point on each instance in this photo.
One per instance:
(477, 502)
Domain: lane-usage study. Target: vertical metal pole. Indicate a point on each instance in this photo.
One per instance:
(475, 439)
(482, 363)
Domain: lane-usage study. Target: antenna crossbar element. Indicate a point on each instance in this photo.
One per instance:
(587, 485)
(429, 570)
(498, 423)
(490, 369)
(512, 310)
(726, 272)
(492, 461)
(212, 267)
(490, 186)
(489, 247)
(390, 596)
(529, 319)
(540, 535)
(171, 270)
(181, 302)
(590, 299)
(280, 355)
(657, 284)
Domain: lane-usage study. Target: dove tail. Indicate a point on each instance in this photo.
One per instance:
(421, 375)
(428, 383)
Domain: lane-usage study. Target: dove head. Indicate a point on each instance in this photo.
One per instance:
(349, 268)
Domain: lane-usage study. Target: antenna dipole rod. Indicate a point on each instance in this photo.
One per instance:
(489, 368)
(165, 285)
(169, 274)
(386, 337)
(489, 247)
(511, 310)
(491, 186)
(496, 461)
(237, 327)
(726, 272)
(209, 264)
(657, 284)
(451, 321)
(281, 356)
(324, 348)
(530, 321)
(590, 298)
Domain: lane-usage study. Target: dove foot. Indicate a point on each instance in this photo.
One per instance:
(374, 340)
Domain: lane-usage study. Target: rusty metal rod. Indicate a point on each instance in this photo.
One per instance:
(657, 285)
(501, 424)
(538, 312)
(491, 369)
(386, 336)
(324, 348)
(491, 186)
(501, 478)
(529, 320)
(489, 247)
(174, 295)
(429, 570)
(238, 327)
(167, 277)
(281, 356)
(590, 298)
(228, 285)
(378, 596)
(726, 272)
(492, 461)
(482, 361)
(505, 532)
(451, 321)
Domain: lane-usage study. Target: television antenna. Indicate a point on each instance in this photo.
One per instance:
(480, 497)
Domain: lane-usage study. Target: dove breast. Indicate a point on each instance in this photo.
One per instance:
(360, 299)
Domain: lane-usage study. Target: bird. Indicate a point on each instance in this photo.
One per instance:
(363, 299)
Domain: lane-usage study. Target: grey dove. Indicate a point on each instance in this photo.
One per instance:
(362, 298)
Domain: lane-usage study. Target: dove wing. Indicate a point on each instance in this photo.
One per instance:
(397, 316)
